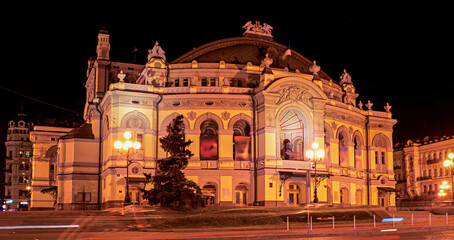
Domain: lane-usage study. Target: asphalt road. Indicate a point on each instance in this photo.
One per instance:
(113, 225)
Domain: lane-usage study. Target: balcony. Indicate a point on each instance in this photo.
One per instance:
(296, 164)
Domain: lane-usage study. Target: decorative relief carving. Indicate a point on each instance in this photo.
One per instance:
(134, 122)
(225, 115)
(192, 115)
(135, 99)
(345, 118)
(294, 93)
(213, 103)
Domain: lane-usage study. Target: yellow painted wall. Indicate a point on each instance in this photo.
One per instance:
(226, 188)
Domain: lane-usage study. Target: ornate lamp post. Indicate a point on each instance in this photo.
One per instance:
(448, 163)
(127, 149)
(443, 187)
(315, 155)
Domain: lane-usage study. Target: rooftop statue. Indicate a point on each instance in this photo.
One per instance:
(257, 28)
(345, 77)
(156, 52)
(315, 68)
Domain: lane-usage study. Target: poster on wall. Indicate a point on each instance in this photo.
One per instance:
(242, 148)
(343, 154)
(358, 158)
(208, 147)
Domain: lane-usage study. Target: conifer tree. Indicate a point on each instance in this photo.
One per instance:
(170, 187)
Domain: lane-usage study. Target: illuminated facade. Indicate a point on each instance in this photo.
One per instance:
(419, 167)
(44, 164)
(251, 106)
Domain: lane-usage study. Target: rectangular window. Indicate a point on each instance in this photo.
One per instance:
(140, 139)
(213, 82)
(177, 82)
(376, 157)
(185, 82)
(204, 82)
(383, 154)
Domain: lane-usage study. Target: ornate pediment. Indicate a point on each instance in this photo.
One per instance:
(294, 93)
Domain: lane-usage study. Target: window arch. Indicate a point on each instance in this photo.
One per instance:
(380, 144)
(241, 141)
(209, 140)
(291, 135)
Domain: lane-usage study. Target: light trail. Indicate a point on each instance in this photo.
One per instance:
(40, 226)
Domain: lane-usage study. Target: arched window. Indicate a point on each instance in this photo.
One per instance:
(209, 140)
(380, 144)
(291, 135)
(343, 150)
(241, 141)
(358, 152)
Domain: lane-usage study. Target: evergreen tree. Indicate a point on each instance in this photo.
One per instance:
(170, 187)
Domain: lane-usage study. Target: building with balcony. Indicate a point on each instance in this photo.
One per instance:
(251, 106)
(419, 169)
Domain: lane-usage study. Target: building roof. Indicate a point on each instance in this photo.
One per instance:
(241, 50)
(84, 131)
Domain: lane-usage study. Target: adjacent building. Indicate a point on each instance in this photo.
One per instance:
(252, 108)
(419, 168)
(44, 165)
(18, 168)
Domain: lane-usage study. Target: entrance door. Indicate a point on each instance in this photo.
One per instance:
(293, 195)
(241, 192)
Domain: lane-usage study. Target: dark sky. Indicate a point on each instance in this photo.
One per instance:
(396, 54)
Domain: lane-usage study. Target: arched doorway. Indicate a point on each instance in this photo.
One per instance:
(296, 195)
(291, 135)
(209, 194)
(241, 195)
(359, 197)
(344, 196)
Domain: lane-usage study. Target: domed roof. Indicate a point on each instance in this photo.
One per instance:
(241, 50)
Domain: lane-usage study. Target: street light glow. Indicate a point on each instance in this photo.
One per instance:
(314, 145)
(136, 145)
(118, 145)
(447, 163)
(127, 135)
(310, 154)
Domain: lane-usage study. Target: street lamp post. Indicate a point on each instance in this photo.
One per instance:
(315, 155)
(125, 149)
(448, 163)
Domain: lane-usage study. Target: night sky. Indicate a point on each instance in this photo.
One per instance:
(396, 54)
